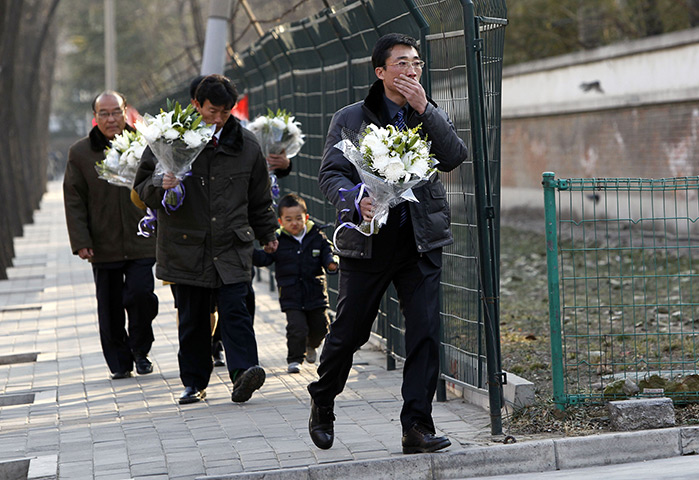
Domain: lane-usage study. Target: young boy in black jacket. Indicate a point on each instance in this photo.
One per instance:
(302, 254)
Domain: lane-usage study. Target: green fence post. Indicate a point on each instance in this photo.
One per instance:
(485, 215)
(549, 182)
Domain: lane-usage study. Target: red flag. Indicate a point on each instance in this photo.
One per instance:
(240, 110)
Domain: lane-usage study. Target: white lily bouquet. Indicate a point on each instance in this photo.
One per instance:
(390, 163)
(121, 159)
(176, 137)
(277, 132)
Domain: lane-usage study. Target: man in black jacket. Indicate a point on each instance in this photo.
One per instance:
(407, 250)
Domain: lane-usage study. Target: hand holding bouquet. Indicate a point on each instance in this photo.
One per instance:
(121, 159)
(390, 163)
(176, 137)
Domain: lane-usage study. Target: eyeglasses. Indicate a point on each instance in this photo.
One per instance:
(403, 64)
(117, 114)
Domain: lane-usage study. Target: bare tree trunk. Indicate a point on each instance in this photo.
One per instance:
(590, 20)
(27, 53)
(198, 23)
(693, 7)
(10, 224)
(650, 18)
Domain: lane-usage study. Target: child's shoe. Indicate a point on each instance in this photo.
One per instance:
(311, 355)
(294, 367)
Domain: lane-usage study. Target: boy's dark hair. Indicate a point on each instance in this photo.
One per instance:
(218, 90)
(383, 46)
(291, 200)
(193, 86)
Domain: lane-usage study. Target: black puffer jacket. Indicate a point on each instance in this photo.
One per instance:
(299, 268)
(208, 241)
(431, 216)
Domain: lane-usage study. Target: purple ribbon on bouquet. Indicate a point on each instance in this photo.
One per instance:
(361, 187)
(177, 193)
(275, 188)
(146, 226)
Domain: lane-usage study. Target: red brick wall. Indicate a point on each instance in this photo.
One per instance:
(647, 142)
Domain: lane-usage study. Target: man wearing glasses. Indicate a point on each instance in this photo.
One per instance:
(102, 225)
(407, 250)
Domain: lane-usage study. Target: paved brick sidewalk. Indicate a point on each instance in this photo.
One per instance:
(63, 411)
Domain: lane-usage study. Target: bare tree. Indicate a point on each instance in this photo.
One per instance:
(27, 51)
(693, 7)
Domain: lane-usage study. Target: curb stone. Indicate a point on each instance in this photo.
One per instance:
(527, 457)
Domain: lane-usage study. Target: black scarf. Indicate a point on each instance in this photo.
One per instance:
(98, 142)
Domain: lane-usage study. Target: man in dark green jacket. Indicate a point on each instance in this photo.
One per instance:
(205, 246)
(102, 225)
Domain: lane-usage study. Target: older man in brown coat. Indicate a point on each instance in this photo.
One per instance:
(102, 225)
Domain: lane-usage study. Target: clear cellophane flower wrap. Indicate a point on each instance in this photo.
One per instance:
(121, 159)
(176, 137)
(390, 163)
(276, 133)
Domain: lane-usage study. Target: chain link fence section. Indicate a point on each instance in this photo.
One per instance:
(315, 66)
(623, 255)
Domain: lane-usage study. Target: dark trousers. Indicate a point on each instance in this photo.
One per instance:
(304, 328)
(237, 334)
(416, 278)
(125, 288)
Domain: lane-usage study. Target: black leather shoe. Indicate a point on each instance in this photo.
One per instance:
(219, 356)
(320, 426)
(143, 365)
(419, 439)
(192, 395)
(120, 375)
(247, 382)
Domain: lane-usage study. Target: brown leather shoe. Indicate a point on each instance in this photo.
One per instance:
(419, 439)
(320, 426)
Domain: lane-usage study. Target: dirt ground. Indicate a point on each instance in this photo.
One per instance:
(524, 324)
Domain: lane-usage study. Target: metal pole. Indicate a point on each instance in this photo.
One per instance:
(549, 182)
(214, 55)
(485, 216)
(424, 46)
(110, 55)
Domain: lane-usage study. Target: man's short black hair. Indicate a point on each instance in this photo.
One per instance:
(291, 200)
(383, 46)
(193, 86)
(108, 92)
(218, 90)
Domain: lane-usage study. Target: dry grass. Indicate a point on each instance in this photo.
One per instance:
(524, 325)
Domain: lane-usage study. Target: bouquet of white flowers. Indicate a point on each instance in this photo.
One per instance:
(277, 133)
(176, 137)
(390, 163)
(121, 159)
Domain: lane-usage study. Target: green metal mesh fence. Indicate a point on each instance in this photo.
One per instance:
(316, 66)
(624, 289)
